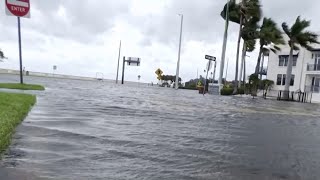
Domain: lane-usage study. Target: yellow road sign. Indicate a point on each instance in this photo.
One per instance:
(158, 72)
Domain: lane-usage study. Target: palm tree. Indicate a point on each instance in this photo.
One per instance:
(267, 85)
(249, 47)
(245, 11)
(253, 83)
(298, 36)
(249, 37)
(269, 34)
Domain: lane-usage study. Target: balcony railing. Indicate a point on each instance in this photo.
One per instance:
(313, 89)
(264, 71)
(313, 67)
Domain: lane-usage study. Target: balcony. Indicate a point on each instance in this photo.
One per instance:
(313, 89)
(313, 67)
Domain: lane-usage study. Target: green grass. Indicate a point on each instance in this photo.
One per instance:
(13, 109)
(21, 86)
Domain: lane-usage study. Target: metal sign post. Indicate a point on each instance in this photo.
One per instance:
(209, 66)
(20, 51)
(18, 8)
(54, 67)
(131, 61)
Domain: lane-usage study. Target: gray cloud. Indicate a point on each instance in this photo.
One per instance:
(88, 24)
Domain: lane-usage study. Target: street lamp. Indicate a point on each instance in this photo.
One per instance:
(178, 63)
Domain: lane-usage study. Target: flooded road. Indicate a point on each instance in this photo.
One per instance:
(99, 130)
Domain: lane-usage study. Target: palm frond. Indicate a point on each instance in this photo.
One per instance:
(312, 37)
(2, 55)
(234, 12)
(299, 26)
(251, 45)
(285, 28)
(251, 10)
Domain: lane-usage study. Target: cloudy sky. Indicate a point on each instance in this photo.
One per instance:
(82, 37)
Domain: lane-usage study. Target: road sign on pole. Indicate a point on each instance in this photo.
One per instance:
(19, 8)
(131, 61)
(209, 66)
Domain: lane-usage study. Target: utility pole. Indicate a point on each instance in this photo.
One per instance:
(214, 72)
(197, 73)
(118, 63)
(224, 46)
(178, 63)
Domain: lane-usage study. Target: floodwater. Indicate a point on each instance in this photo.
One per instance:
(99, 130)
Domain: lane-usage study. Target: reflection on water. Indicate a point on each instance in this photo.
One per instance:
(99, 130)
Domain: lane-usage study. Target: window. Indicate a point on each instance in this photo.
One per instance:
(295, 60)
(292, 80)
(284, 59)
(281, 80)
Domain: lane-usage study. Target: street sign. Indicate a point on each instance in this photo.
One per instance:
(158, 72)
(133, 61)
(19, 8)
(211, 58)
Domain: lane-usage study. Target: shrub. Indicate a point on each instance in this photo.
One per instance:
(241, 90)
(226, 91)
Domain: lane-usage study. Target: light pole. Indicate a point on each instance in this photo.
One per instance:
(224, 46)
(178, 63)
(118, 63)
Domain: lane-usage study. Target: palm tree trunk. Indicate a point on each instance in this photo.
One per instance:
(242, 62)
(259, 60)
(261, 69)
(288, 75)
(244, 69)
(237, 58)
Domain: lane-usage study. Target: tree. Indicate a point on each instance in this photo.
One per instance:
(245, 11)
(254, 83)
(249, 36)
(267, 85)
(1, 55)
(298, 36)
(269, 34)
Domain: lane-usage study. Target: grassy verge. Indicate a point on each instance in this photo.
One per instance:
(21, 86)
(13, 109)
